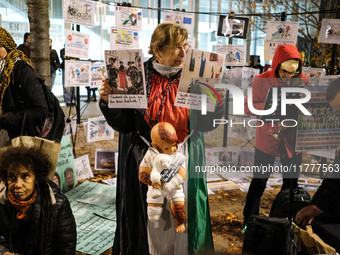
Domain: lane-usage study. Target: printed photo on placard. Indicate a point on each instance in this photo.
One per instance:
(76, 44)
(65, 172)
(201, 70)
(123, 38)
(79, 12)
(127, 17)
(77, 73)
(232, 27)
(98, 71)
(186, 20)
(98, 130)
(105, 159)
(125, 71)
(234, 54)
(282, 31)
(247, 157)
(83, 167)
(330, 31)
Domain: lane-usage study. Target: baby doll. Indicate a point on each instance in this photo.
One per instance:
(164, 141)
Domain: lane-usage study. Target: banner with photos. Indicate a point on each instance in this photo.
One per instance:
(122, 38)
(186, 20)
(79, 12)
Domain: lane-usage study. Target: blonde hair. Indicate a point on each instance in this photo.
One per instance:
(167, 34)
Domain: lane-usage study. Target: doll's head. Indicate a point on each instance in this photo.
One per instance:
(164, 138)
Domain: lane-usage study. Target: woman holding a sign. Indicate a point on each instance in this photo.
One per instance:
(35, 217)
(134, 234)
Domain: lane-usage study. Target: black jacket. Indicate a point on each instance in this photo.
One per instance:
(24, 94)
(54, 59)
(24, 236)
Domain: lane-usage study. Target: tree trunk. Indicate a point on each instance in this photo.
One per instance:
(39, 29)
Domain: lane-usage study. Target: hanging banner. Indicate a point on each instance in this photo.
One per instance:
(76, 44)
(186, 20)
(79, 12)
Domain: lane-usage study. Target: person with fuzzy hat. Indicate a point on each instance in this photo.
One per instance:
(22, 99)
(286, 71)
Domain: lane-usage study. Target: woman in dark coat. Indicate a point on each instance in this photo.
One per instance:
(134, 234)
(21, 93)
(35, 217)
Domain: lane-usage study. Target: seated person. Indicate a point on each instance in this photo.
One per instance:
(35, 217)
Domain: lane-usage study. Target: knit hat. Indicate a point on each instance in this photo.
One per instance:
(6, 40)
(290, 65)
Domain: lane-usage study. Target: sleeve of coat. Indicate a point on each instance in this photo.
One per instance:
(259, 95)
(121, 120)
(66, 238)
(33, 97)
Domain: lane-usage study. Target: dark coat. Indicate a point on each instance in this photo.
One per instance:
(24, 94)
(131, 207)
(327, 197)
(25, 49)
(54, 59)
(24, 236)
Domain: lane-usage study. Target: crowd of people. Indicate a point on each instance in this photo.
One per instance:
(36, 218)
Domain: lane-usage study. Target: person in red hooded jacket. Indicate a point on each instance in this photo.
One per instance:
(286, 71)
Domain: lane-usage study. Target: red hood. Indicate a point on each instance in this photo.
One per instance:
(284, 52)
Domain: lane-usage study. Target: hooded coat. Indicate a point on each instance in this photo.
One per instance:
(264, 141)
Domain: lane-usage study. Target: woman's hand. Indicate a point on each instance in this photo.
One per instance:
(105, 90)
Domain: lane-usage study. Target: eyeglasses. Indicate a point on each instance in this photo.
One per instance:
(286, 73)
(184, 47)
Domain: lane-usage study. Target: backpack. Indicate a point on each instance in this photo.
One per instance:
(54, 125)
(280, 206)
(268, 236)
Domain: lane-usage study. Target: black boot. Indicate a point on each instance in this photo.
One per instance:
(94, 97)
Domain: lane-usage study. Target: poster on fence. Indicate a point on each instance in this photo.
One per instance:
(79, 12)
(126, 75)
